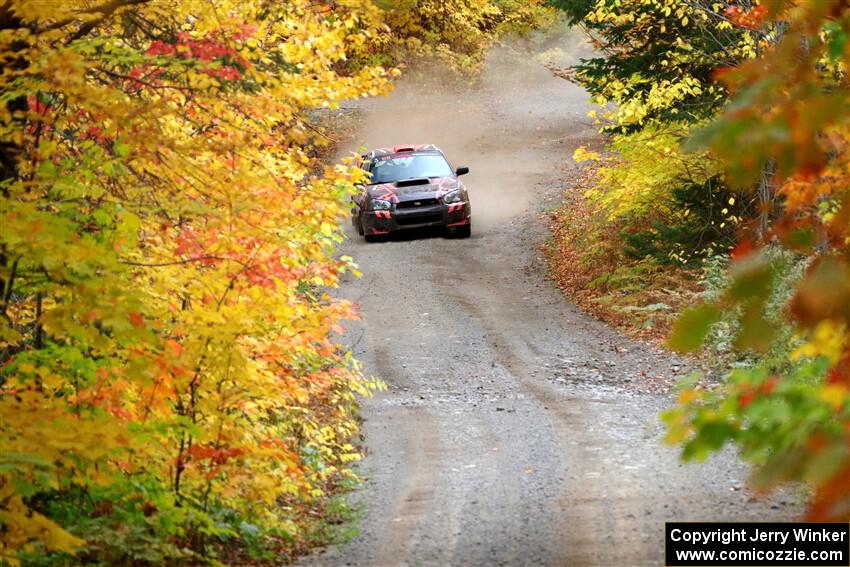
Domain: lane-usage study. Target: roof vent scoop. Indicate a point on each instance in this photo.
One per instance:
(402, 149)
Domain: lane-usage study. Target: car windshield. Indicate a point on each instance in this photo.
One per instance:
(387, 169)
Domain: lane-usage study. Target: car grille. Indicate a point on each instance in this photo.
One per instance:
(418, 219)
(417, 203)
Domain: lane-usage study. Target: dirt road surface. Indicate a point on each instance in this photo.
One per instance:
(515, 429)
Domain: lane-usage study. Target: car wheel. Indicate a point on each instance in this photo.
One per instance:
(359, 224)
(463, 231)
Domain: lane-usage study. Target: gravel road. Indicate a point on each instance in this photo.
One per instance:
(515, 429)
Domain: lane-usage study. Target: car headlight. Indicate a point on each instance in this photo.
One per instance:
(378, 205)
(453, 197)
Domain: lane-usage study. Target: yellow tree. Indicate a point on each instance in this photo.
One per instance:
(169, 380)
(453, 36)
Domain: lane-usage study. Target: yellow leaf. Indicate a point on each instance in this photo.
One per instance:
(836, 395)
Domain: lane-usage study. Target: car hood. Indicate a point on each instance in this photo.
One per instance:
(412, 189)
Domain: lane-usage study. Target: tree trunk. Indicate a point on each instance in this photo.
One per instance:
(766, 194)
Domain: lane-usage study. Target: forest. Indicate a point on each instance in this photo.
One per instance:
(723, 182)
(173, 389)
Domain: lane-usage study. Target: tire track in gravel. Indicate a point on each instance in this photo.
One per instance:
(515, 430)
(519, 353)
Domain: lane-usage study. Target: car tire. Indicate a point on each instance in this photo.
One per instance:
(463, 231)
(359, 225)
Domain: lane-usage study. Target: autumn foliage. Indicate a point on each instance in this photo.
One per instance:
(728, 144)
(169, 379)
(788, 109)
(450, 38)
(170, 386)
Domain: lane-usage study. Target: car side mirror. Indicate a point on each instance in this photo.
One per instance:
(462, 170)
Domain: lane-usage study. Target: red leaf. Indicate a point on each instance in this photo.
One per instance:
(136, 319)
(743, 249)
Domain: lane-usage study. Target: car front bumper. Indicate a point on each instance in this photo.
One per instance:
(385, 222)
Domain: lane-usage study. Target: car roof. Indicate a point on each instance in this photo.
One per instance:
(403, 149)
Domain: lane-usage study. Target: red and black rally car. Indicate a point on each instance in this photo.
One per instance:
(410, 187)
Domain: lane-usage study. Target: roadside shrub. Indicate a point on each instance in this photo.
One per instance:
(788, 269)
(701, 222)
(587, 261)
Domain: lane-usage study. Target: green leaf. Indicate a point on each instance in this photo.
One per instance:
(121, 150)
(836, 40)
(711, 437)
(690, 329)
(752, 282)
(46, 169)
(756, 333)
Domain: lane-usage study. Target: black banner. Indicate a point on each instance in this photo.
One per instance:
(768, 544)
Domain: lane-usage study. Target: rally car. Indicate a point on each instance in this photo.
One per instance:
(410, 187)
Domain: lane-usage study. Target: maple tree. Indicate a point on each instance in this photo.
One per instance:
(170, 388)
(169, 377)
(789, 415)
(731, 113)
